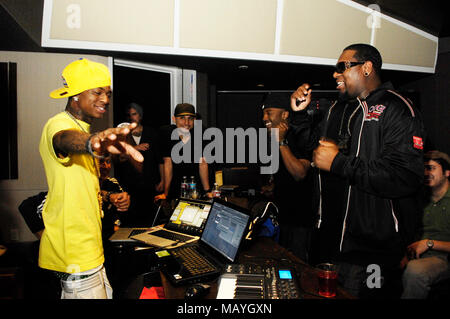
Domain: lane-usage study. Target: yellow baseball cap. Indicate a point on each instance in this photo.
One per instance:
(82, 75)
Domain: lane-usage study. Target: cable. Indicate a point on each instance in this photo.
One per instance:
(156, 216)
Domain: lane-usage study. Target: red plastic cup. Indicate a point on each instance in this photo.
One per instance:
(327, 277)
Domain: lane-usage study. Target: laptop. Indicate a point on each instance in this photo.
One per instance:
(185, 225)
(218, 245)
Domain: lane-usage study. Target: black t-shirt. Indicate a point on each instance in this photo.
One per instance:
(133, 181)
(189, 165)
(293, 198)
(140, 185)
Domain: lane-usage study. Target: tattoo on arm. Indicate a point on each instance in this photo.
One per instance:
(70, 142)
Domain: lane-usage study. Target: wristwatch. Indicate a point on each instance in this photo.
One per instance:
(430, 244)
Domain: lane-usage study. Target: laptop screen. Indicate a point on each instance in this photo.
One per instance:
(190, 213)
(224, 229)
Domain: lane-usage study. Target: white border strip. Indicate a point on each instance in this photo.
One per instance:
(110, 46)
(278, 27)
(145, 66)
(46, 21)
(111, 110)
(176, 23)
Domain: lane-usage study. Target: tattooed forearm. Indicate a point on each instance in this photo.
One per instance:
(69, 142)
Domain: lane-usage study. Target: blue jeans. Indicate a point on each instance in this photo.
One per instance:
(421, 273)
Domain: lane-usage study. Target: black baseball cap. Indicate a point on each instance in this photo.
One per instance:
(185, 109)
(277, 101)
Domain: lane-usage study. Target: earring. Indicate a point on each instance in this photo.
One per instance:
(366, 73)
(75, 98)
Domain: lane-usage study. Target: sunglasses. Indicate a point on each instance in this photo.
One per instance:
(344, 65)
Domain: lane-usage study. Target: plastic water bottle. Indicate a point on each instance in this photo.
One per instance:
(184, 187)
(216, 191)
(193, 188)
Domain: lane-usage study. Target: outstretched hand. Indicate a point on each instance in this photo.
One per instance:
(113, 140)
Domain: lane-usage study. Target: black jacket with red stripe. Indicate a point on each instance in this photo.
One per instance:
(383, 172)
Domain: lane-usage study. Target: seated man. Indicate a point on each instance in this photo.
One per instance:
(429, 255)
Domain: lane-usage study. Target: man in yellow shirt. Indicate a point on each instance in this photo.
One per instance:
(71, 244)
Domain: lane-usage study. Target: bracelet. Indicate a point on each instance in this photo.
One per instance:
(283, 143)
(89, 148)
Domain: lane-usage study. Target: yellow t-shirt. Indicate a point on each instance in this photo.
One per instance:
(72, 239)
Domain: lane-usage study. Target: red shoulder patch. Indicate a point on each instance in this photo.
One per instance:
(418, 142)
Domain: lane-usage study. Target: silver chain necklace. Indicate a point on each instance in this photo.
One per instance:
(76, 121)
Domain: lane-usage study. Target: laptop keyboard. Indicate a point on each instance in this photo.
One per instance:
(171, 236)
(193, 261)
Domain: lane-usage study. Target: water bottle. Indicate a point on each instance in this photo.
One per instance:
(216, 191)
(193, 188)
(184, 187)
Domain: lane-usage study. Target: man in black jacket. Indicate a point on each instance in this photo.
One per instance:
(369, 164)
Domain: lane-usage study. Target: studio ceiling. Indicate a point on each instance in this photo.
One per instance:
(21, 25)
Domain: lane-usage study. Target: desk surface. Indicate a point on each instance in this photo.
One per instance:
(264, 250)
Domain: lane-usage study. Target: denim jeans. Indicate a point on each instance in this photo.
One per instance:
(421, 273)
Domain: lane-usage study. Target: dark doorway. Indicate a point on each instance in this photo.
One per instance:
(8, 144)
(150, 89)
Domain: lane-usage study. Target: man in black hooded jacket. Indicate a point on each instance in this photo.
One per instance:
(368, 158)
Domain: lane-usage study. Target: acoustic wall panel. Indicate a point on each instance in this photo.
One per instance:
(321, 28)
(142, 22)
(303, 31)
(231, 25)
(404, 46)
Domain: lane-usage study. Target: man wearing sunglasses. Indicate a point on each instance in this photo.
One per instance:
(368, 159)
